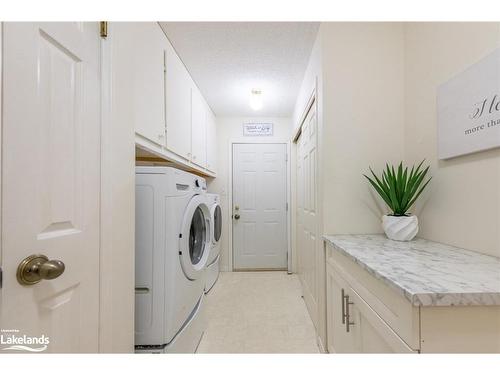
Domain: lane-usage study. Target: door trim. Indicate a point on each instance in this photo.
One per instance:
(116, 281)
(240, 140)
(1, 143)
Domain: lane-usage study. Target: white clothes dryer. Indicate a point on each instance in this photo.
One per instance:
(213, 267)
(172, 249)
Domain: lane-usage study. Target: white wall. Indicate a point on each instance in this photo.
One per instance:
(230, 129)
(363, 83)
(463, 205)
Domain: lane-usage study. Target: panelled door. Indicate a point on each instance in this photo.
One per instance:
(259, 206)
(307, 230)
(50, 186)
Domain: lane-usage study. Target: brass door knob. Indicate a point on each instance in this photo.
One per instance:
(36, 268)
(237, 217)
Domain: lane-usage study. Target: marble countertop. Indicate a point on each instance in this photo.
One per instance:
(425, 272)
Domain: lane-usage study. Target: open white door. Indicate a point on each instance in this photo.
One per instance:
(50, 186)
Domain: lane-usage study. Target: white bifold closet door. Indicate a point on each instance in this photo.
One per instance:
(307, 235)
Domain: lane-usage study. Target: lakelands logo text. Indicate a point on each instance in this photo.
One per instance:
(18, 342)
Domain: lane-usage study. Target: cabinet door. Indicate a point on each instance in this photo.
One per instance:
(367, 331)
(339, 340)
(178, 104)
(199, 111)
(211, 142)
(144, 49)
(370, 332)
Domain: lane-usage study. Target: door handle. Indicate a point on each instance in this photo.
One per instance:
(36, 268)
(237, 217)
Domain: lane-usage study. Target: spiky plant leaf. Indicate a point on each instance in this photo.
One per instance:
(398, 187)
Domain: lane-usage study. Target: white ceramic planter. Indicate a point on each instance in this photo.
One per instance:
(400, 228)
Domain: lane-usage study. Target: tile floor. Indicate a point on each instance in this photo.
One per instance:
(257, 312)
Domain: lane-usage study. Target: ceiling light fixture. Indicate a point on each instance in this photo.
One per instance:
(256, 100)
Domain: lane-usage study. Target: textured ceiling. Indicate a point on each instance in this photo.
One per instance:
(228, 59)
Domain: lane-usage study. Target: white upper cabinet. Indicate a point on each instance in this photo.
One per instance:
(211, 142)
(199, 111)
(145, 48)
(171, 117)
(178, 103)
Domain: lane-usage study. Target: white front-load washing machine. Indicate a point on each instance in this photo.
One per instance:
(213, 268)
(172, 245)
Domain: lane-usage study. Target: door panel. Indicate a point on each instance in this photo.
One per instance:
(51, 180)
(211, 142)
(307, 232)
(259, 197)
(145, 49)
(178, 104)
(199, 111)
(339, 340)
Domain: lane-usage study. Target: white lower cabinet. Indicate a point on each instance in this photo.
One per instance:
(365, 315)
(353, 326)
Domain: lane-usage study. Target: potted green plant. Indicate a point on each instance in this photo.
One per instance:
(400, 189)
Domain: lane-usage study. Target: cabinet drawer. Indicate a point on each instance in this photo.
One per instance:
(397, 312)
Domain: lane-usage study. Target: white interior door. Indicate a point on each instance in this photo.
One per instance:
(51, 183)
(307, 228)
(259, 206)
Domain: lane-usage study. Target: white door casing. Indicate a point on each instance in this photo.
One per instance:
(260, 199)
(307, 219)
(51, 180)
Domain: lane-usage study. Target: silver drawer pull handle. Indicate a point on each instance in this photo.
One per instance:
(343, 306)
(348, 322)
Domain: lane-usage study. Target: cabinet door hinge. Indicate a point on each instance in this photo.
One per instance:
(103, 29)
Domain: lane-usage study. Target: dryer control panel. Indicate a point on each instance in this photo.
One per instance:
(200, 184)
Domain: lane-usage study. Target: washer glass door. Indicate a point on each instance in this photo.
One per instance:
(194, 239)
(217, 223)
(197, 236)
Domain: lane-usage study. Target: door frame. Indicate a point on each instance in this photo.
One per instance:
(242, 140)
(116, 279)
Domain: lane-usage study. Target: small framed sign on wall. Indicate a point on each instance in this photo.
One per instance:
(257, 128)
(468, 107)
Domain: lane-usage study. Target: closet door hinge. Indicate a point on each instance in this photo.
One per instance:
(103, 29)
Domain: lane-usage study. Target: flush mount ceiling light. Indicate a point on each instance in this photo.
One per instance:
(256, 100)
